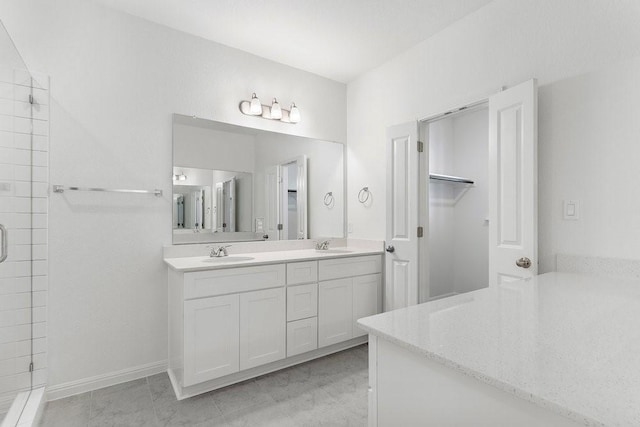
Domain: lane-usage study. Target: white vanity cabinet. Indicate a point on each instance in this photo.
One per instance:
(262, 327)
(224, 321)
(234, 323)
(367, 299)
(336, 312)
(302, 307)
(355, 291)
(211, 338)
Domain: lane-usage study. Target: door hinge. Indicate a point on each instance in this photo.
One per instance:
(420, 232)
(31, 367)
(31, 100)
(280, 227)
(420, 146)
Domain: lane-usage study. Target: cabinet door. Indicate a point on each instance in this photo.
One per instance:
(211, 338)
(302, 336)
(367, 299)
(262, 327)
(335, 311)
(302, 301)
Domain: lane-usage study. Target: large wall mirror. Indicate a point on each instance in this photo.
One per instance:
(232, 183)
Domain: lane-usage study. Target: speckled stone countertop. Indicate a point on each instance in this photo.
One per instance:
(199, 263)
(567, 342)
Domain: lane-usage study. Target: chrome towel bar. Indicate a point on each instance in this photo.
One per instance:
(62, 189)
(449, 178)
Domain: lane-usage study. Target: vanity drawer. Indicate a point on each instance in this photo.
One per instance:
(302, 336)
(200, 284)
(302, 301)
(330, 269)
(302, 272)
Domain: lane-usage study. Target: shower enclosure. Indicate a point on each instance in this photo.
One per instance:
(24, 129)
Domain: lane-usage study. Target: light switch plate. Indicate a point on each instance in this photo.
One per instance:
(259, 225)
(571, 210)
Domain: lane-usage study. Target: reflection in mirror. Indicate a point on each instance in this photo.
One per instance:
(278, 195)
(211, 200)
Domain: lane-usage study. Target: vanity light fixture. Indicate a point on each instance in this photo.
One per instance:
(272, 112)
(276, 111)
(294, 114)
(256, 106)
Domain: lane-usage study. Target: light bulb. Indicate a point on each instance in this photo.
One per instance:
(256, 106)
(294, 114)
(276, 111)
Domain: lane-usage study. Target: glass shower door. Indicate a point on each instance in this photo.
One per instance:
(16, 230)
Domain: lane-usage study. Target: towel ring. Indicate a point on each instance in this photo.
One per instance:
(363, 195)
(328, 199)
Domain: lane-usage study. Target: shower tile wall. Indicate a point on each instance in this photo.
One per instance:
(24, 174)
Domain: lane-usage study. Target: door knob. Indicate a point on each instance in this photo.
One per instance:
(523, 262)
(390, 249)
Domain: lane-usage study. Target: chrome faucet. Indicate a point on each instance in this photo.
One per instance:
(322, 246)
(219, 252)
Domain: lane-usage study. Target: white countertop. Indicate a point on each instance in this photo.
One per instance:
(567, 342)
(198, 263)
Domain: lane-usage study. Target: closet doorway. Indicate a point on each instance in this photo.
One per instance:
(458, 198)
(483, 230)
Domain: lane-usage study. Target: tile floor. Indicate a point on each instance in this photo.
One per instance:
(331, 391)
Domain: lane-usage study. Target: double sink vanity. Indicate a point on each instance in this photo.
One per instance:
(274, 299)
(235, 317)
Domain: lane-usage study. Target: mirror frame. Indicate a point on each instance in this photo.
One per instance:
(184, 118)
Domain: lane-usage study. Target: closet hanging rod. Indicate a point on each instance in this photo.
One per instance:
(449, 178)
(62, 189)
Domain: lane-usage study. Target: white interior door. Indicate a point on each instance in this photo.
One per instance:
(219, 210)
(272, 194)
(301, 186)
(401, 285)
(231, 200)
(513, 184)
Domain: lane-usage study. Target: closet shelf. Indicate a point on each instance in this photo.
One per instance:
(449, 178)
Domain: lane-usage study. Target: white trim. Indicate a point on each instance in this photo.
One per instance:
(456, 111)
(204, 387)
(33, 409)
(468, 102)
(105, 380)
(15, 409)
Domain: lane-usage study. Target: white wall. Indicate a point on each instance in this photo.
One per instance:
(590, 151)
(504, 43)
(115, 82)
(471, 232)
(441, 221)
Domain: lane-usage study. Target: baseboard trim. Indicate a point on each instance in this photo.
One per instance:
(72, 388)
(196, 389)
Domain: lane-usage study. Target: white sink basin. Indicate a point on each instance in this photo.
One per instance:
(231, 258)
(333, 251)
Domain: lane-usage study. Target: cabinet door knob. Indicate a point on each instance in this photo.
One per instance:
(390, 249)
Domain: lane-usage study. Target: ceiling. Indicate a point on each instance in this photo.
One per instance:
(338, 39)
